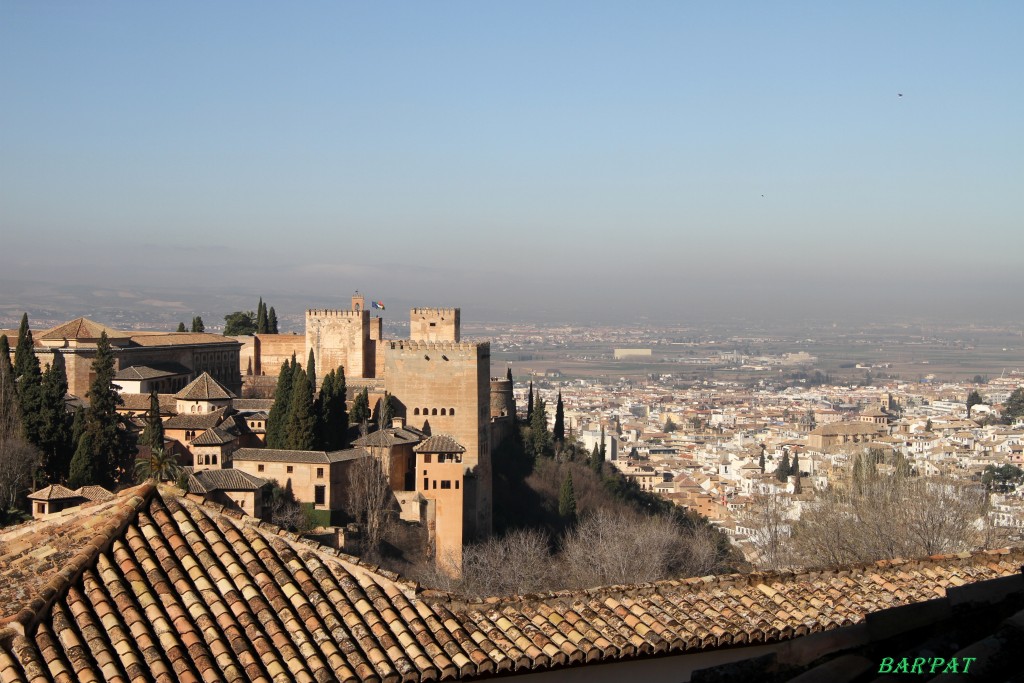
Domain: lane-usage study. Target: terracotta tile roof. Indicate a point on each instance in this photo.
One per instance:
(207, 481)
(440, 443)
(140, 372)
(204, 388)
(94, 493)
(178, 339)
(282, 455)
(53, 492)
(197, 420)
(81, 328)
(165, 588)
(223, 433)
(391, 436)
(264, 404)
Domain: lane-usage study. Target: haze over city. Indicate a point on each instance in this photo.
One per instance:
(585, 161)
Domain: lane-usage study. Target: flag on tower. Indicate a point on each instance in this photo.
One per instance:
(378, 304)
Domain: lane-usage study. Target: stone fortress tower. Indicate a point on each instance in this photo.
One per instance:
(438, 383)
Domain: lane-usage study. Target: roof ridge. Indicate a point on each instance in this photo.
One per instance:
(28, 617)
(722, 580)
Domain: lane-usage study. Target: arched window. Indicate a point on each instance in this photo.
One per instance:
(416, 411)
(443, 411)
(434, 412)
(214, 459)
(451, 411)
(426, 411)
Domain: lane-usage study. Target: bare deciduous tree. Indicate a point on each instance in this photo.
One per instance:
(890, 517)
(610, 548)
(370, 501)
(766, 518)
(512, 565)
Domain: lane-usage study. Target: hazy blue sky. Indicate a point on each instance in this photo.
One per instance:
(654, 157)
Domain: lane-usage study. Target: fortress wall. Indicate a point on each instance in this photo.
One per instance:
(272, 350)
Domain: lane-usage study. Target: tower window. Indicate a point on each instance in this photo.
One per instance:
(443, 411)
(434, 412)
(416, 411)
(446, 484)
(451, 411)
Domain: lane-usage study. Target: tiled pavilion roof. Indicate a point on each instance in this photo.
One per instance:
(159, 586)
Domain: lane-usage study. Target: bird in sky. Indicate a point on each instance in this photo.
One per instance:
(899, 94)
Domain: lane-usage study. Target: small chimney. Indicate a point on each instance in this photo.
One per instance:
(398, 422)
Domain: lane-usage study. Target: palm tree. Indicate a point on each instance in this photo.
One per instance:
(160, 466)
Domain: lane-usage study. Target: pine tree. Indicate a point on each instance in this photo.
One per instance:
(559, 429)
(56, 438)
(301, 431)
(567, 500)
(102, 454)
(272, 321)
(261, 318)
(197, 324)
(153, 433)
(277, 421)
(311, 370)
(529, 405)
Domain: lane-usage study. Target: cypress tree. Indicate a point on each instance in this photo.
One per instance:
(153, 433)
(567, 500)
(24, 348)
(5, 358)
(277, 421)
(559, 430)
(261, 318)
(102, 454)
(311, 370)
(361, 408)
(529, 404)
(333, 414)
(301, 431)
(782, 471)
(272, 321)
(181, 327)
(760, 462)
(508, 374)
(197, 324)
(595, 459)
(384, 412)
(604, 447)
(29, 385)
(56, 442)
(794, 469)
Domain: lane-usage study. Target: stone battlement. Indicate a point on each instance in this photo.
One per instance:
(328, 313)
(412, 345)
(433, 311)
